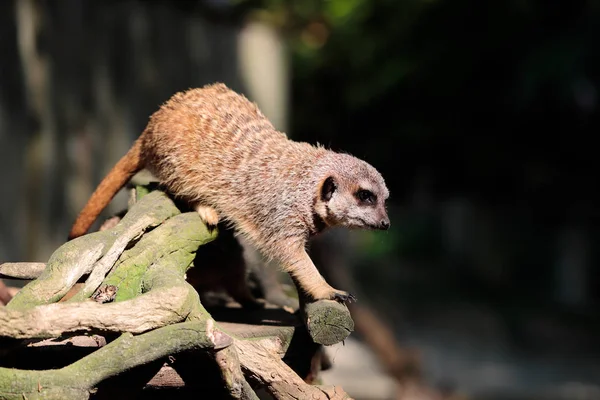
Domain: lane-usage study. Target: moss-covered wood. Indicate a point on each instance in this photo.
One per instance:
(156, 313)
(78, 379)
(79, 256)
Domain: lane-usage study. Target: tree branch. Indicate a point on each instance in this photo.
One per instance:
(21, 270)
(147, 270)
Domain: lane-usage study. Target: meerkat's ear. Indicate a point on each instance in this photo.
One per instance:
(328, 188)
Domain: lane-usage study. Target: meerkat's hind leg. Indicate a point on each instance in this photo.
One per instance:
(208, 214)
(237, 287)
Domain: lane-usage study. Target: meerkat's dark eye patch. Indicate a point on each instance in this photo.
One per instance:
(366, 196)
(328, 189)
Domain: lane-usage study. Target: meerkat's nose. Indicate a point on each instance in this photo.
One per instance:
(384, 224)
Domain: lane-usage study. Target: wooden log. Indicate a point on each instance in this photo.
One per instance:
(328, 322)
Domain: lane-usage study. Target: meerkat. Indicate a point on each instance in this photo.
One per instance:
(214, 149)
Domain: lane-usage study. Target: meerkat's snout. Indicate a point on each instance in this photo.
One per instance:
(384, 219)
(381, 221)
(384, 225)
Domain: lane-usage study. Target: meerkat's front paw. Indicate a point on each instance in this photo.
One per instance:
(343, 297)
(333, 294)
(209, 215)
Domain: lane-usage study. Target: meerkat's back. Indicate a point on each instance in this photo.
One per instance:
(206, 138)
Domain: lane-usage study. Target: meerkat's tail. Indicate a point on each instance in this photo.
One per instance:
(121, 173)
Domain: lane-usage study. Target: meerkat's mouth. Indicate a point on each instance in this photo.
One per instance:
(360, 223)
(383, 225)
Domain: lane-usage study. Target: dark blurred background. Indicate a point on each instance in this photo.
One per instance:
(479, 114)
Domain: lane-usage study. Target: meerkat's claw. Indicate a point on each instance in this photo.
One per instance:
(209, 215)
(343, 297)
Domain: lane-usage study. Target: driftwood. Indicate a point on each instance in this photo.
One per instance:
(136, 319)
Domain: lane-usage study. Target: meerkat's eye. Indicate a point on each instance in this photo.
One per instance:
(366, 196)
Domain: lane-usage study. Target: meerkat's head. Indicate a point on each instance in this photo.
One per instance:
(352, 193)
